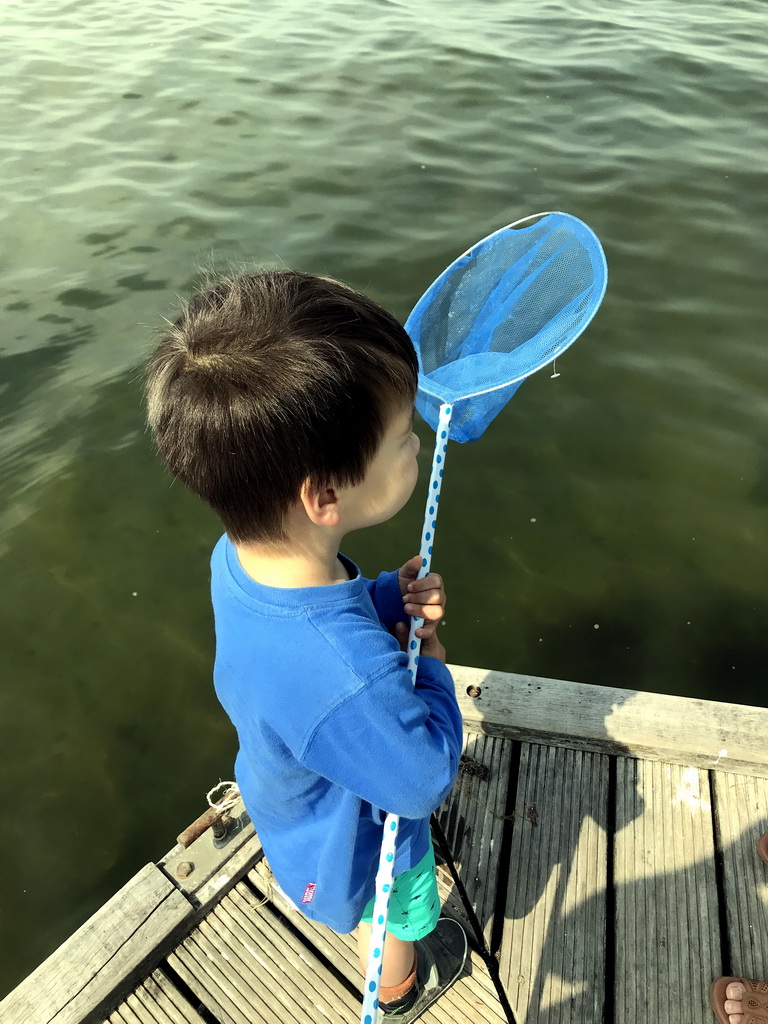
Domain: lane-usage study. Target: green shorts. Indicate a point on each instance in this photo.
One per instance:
(414, 906)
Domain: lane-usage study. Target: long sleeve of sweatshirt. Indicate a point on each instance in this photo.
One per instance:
(384, 592)
(396, 747)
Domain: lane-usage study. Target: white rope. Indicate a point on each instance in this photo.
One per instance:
(229, 797)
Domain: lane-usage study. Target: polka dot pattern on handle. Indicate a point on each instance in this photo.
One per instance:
(391, 824)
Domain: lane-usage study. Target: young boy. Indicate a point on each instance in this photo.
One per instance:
(285, 401)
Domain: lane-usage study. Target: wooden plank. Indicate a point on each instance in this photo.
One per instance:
(472, 819)
(266, 941)
(741, 812)
(552, 953)
(654, 726)
(127, 1015)
(247, 967)
(162, 989)
(231, 872)
(472, 1000)
(98, 965)
(667, 932)
(156, 1001)
(214, 988)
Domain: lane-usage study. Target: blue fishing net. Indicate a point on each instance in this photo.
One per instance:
(504, 309)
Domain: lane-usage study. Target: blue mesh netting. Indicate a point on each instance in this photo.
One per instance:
(504, 309)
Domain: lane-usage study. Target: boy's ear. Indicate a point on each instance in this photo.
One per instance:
(321, 506)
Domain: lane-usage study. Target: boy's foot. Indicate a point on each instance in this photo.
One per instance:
(736, 1000)
(440, 961)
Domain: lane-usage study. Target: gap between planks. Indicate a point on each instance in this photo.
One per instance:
(473, 820)
(155, 1001)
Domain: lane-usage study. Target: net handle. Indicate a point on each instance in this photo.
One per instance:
(386, 868)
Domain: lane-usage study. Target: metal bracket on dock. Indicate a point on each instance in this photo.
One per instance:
(199, 862)
(219, 819)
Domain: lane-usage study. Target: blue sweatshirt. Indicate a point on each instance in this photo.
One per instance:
(332, 733)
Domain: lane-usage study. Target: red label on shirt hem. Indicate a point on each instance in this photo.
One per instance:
(309, 893)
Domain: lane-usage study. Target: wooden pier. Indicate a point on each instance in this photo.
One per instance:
(605, 868)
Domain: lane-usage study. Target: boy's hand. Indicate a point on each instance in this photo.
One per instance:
(430, 647)
(424, 599)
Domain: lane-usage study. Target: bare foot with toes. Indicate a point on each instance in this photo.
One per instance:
(739, 1000)
(734, 992)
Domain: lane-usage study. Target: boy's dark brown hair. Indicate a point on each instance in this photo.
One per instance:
(268, 379)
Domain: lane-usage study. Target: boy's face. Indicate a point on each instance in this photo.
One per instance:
(391, 476)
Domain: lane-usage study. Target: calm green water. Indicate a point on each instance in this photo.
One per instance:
(611, 526)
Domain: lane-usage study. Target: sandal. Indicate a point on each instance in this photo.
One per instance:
(762, 847)
(754, 1001)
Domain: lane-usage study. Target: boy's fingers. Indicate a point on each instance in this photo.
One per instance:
(425, 597)
(433, 580)
(431, 612)
(412, 566)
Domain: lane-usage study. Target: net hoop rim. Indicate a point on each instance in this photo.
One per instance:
(597, 247)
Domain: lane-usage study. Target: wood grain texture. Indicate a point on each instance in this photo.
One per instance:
(103, 961)
(230, 872)
(245, 965)
(552, 952)
(219, 990)
(654, 726)
(741, 812)
(472, 819)
(667, 932)
(155, 1001)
